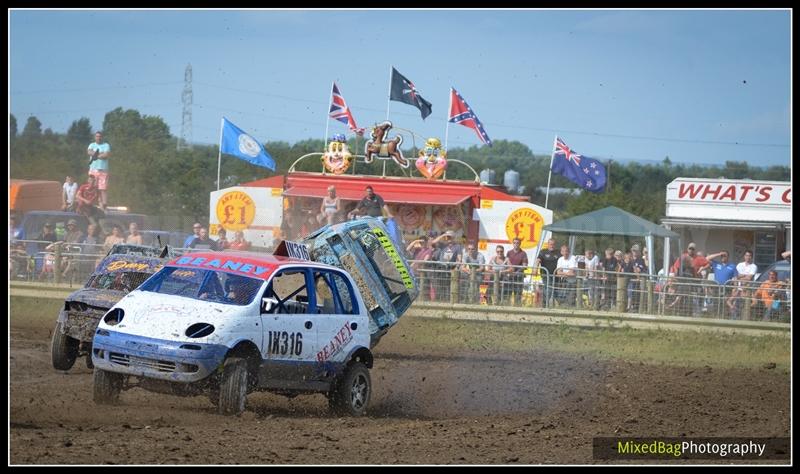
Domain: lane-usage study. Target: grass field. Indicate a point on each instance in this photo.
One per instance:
(34, 313)
(652, 346)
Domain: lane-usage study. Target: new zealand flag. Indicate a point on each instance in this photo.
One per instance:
(586, 172)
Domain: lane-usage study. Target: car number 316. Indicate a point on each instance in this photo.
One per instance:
(283, 343)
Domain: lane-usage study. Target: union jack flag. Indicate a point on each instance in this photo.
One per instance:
(339, 111)
(568, 154)
(586, 172)
(462, 114)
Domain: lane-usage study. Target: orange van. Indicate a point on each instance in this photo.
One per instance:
(33, 195)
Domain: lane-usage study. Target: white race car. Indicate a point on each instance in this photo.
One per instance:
(228, 323)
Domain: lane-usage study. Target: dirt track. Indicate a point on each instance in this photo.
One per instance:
(428, 407)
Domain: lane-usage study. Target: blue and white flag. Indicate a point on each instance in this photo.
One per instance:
(586, 172)
(241, 145)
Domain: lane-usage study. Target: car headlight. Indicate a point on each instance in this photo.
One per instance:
(199, 330)
(114, 317)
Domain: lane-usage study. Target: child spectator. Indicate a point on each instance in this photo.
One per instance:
(69, 189)
(239, 242)
(222, 239)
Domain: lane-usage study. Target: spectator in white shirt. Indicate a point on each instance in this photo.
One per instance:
(591, 262)
(566, 269)
(747, 269)
(69, 189)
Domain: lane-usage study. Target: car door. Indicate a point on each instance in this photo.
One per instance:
(338, 319)
(289, 341)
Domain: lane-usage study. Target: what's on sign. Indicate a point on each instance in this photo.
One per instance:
(733, 192)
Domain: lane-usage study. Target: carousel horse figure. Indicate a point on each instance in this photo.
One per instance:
(389, 149)
(432, 159)
(338, 157)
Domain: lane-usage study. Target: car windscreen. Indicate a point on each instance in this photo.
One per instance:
(204, 285)
(382, 263)
(120, 281)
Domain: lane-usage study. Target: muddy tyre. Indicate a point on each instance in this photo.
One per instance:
(89, 363)
(107, 386)
(213, 396)
(64, 349)
(233, 387)
(352, 391)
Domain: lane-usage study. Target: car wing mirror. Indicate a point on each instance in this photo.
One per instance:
(268, 305)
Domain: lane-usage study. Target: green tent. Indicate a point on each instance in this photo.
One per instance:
(614, 221)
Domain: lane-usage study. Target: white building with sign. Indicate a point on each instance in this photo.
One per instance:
(732, 215)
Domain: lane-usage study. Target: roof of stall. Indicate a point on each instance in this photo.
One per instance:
(610, 221)
(391, 189)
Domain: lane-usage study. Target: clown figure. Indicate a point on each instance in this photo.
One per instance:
(432, 159)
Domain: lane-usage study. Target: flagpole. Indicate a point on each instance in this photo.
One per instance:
(447, 123)
(219, 157)
(552, 155)
(389, 100)
(328, 119)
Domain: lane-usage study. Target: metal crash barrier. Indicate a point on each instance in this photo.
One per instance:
(495, 285)
(56, 262)
(602, 291)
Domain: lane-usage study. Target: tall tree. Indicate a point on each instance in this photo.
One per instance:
(12, 126)
(33, 128)
(81, 131)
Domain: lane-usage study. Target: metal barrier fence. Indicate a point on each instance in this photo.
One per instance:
(602, 291)
(57, 262)
(478, 284)
(499, 285)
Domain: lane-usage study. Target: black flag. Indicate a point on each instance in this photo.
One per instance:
(403, 90)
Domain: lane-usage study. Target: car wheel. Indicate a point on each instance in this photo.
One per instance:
(233, 387)
(352, 392)
(89, 363)
(64, 349)
(107, 386)
(213, 396)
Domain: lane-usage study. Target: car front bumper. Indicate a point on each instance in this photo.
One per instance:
(183, 362)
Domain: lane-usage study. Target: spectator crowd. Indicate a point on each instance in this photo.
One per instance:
(696, 284)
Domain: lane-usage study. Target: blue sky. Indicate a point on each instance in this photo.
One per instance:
(697, 86)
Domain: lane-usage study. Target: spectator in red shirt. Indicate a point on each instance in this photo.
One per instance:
(86, 199)
(698, 261)
(518, 260)
(239, 243)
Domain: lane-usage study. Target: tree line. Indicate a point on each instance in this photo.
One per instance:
(150, 176)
